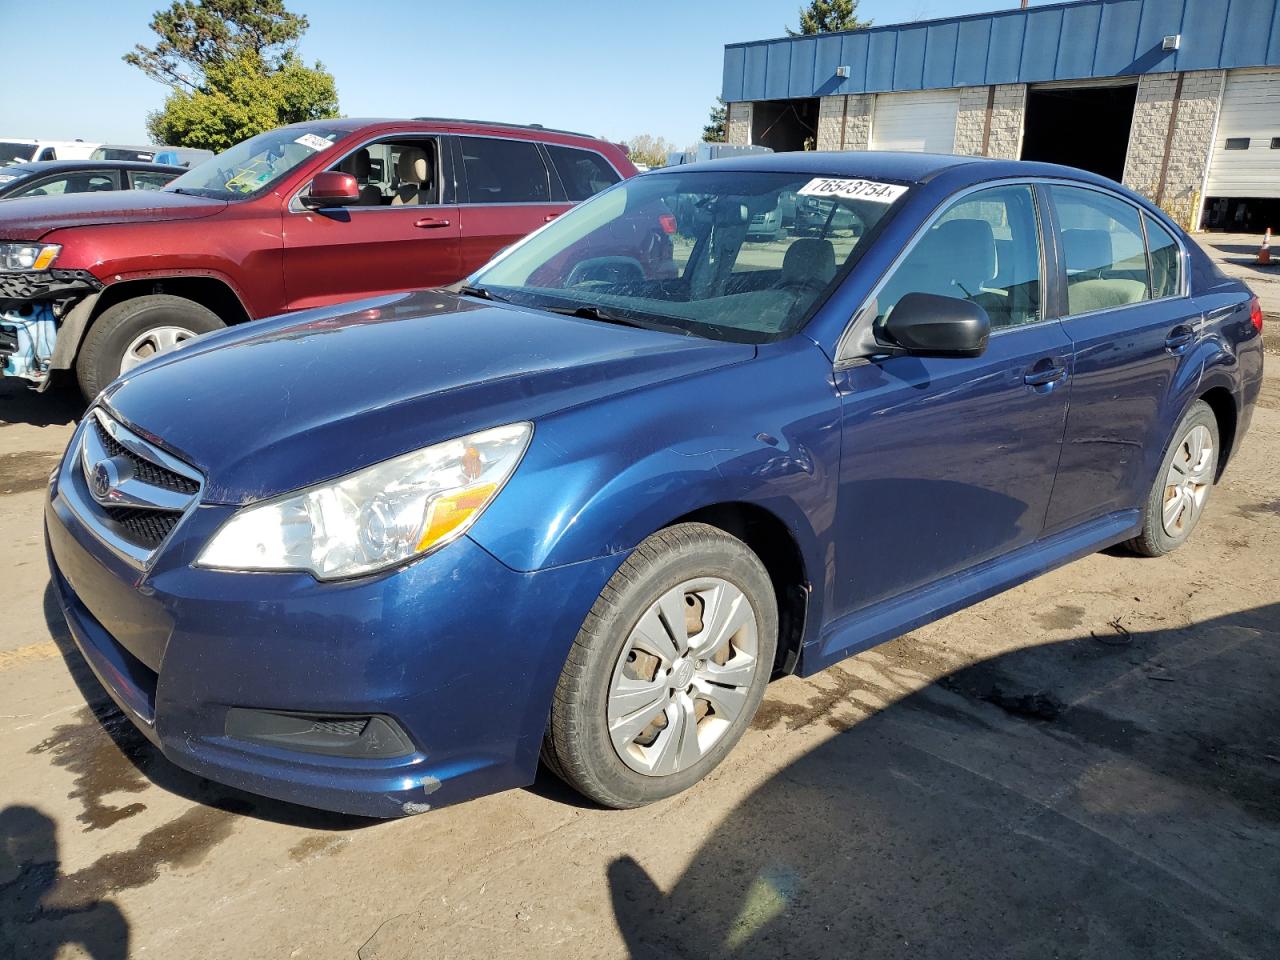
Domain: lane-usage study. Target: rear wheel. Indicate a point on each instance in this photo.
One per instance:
(667, 671)
(134, 331)
(1177, 499)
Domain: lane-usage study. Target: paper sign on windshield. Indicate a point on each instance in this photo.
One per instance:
(314, 142)
(852, 189)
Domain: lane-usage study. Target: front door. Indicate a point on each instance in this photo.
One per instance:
(947, 463)
(403, 235)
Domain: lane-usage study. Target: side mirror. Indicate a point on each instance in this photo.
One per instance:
(927, 325)
(331, 189)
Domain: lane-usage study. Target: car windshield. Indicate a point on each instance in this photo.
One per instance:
(254, 165)
(15, 152)
(730, 255)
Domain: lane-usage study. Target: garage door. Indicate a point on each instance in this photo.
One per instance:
(921, 122)
(1246, 152)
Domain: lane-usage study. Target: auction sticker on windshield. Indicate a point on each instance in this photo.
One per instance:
(852, 189)
(314, 142)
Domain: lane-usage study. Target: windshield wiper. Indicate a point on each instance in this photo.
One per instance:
(481, 293)
(587, 312)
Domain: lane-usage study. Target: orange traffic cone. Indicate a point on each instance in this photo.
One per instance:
(1264, 252)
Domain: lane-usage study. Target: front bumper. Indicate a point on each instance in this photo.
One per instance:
(460, 650)
(31, 305)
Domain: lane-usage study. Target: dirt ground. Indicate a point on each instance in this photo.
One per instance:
(1087, 766)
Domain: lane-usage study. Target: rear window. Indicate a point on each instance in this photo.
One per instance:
(16, 152)
(504, 171)
(583, 172)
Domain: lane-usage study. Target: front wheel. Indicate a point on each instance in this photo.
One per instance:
(134, 331)
(667, 670)
(1182, 486)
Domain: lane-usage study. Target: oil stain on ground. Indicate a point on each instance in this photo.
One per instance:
(1061, 617)
(23, 472)
(107, 756)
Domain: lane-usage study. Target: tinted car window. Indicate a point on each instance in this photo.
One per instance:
(582, 172)
(1166, 260)
(985, 248)
(143, 180)
(1102, 244)
(70, 183)
(504, 171)
(15, 152)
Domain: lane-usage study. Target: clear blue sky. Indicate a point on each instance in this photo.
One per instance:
(600, 66)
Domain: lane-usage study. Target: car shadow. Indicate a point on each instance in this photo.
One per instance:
(107, 755)
(1112, 797)
(59, 405)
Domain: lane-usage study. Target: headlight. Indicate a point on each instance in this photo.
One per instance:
(376, 517)
(28, 256)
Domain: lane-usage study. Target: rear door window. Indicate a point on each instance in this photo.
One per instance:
(1104, 250)
(504, 171)
(144, 180)
(1166, 260)
(584, 173)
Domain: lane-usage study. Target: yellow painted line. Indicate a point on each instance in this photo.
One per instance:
(31, 653)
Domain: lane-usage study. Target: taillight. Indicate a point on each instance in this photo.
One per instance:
(1255, 314)
(668, 223)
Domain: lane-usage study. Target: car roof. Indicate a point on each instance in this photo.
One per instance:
(54, 166)
(888, 165)
(426, 124)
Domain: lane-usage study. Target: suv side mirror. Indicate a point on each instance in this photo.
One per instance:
(927, 325)
(331, 189)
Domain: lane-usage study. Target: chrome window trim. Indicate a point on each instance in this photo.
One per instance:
(860, 316)
(853, 327)
(139, 557)
(295, 203)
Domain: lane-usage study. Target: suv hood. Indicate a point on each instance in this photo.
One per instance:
(30, 218)
(283, 403)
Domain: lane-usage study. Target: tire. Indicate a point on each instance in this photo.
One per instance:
(112, 334)
(704, 566)
(1158, 535)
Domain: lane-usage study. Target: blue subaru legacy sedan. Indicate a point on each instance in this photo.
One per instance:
(385, 556)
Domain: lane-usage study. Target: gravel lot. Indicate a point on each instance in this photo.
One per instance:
(1088, 765)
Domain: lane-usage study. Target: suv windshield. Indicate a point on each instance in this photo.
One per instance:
(730, 255)
(254, 165)
(15, 152)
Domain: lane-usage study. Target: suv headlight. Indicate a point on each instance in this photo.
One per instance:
(376, 517)
(28, 256)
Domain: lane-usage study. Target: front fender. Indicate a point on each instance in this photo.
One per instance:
(599, 479)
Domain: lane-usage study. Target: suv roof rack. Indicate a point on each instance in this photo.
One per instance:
(499, 123)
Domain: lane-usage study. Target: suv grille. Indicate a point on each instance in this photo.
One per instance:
(131, 492)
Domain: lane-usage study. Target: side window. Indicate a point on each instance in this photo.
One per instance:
(1166, 260)
(984, 248)
(583, 173)
(71, 183)
(1102, 244)
(504, 171)
(48, 153)
(395, 173)
(149, 181)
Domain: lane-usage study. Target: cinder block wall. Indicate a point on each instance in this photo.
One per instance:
(738, 124)
(844, 123)
(1174, 178)
(1003, 136)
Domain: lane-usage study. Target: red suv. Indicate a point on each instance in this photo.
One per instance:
(298, 217)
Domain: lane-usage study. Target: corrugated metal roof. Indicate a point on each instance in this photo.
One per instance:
(1063, 41)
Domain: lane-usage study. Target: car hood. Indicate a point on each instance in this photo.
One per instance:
(290, 401)
(30, 218)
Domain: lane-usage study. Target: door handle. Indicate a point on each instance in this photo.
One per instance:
(431, 223)
(1180, 337)
(1045, 376)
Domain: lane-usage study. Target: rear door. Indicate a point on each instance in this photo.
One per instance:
(403, 235)
(1131, 332)
(508, 192)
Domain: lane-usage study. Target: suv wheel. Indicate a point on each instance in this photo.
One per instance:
(1182, 486)
(667, 670)
(134, 331)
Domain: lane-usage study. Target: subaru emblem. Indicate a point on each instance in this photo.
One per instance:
(103, 479)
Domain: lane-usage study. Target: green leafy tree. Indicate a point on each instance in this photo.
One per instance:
(649, 150)
(828, 16)
(717, 129)
(233, 70)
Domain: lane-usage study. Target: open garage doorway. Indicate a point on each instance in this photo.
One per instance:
(783, 125)
(1085, 127)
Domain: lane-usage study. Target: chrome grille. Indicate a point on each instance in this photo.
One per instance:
(130, 492)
